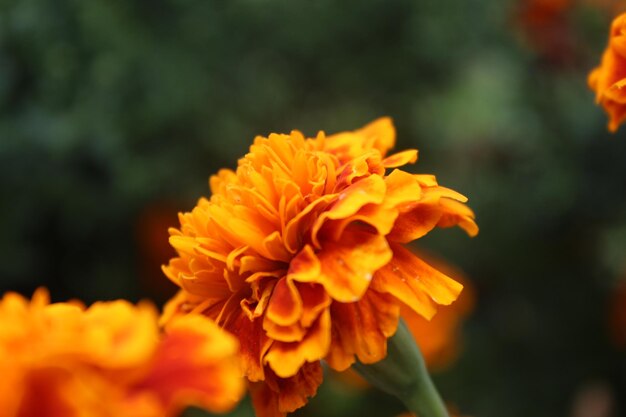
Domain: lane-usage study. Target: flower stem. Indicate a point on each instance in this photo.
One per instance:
(403, 373)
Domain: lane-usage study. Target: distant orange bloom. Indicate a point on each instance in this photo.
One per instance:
(153, 248)
(62, 360)
(299, 253)
(617, 316)
(609, 79)
(546, 26)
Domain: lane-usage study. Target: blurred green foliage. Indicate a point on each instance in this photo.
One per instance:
(111, 108)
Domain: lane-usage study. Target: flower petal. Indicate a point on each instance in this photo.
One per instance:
(286, 359)
(415, 283)
(347, 266)
(362, 329)
(275, 397)
(206, 375)
(285, 305)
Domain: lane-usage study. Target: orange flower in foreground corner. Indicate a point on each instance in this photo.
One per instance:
(299, 254)
(609, 79)
(62, 360)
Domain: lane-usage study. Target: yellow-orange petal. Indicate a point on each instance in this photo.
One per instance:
(347, 266)
(370, 190)
(415, 283)
(286, 359)
(361, 329)
(415, 223)
(285, 304)
(401, 158)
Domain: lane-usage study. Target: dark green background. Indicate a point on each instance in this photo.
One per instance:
(110, 108)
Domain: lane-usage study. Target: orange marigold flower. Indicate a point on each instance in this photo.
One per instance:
(299, 253)
(62, 360)
(609, 79)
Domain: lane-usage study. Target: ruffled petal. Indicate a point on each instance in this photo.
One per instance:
(415, 283)
(348, 265)
(275, 397)
(361, 329)
(286, 358)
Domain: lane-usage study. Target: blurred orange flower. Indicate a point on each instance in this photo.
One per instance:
(545, 26)
(617, 316)
(609, 79)
(299, 253)
(62, 360)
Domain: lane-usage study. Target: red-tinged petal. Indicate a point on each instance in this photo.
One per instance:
(49, 393)
(295, 228)
(264, 400)
(349, 264)
(253, 343)
(291, 333)
(275, 397)
(207, 374)
(285, 359)
(415, 283)
(295, 391)
(401, 158)
(255, 306)
(391, 280)
(305, 266)
(362, 329)
(285, 305)
(315, 300)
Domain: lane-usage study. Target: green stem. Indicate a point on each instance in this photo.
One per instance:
(403, 373)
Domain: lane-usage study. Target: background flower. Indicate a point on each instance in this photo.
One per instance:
(109, 360)
(609, 79)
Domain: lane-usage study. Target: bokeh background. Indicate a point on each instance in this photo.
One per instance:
(114, 113)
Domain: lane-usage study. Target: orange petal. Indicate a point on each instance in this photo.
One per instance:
(366, 191)
(415, 224)
(362, 329)
(275, 397)
(253, 344)
(401, 158)
(305, 266)
(415, 283)
(379, 134)
(285, 305)
(286, 359)
(347, 266)
(456, 213)
(207, 375)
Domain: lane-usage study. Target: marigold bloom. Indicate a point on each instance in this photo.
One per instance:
(62, 360)
(299, 254)
(609, 79)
